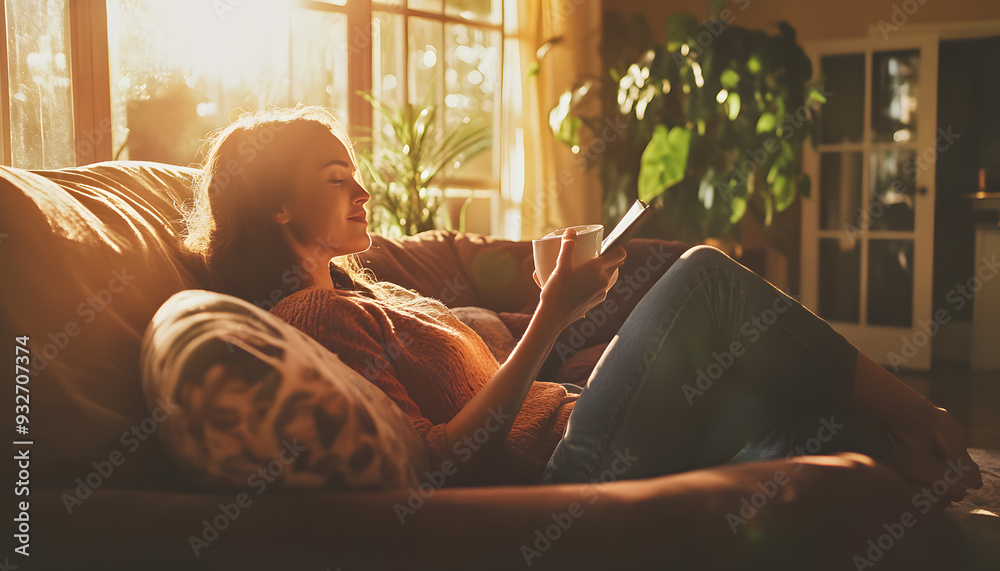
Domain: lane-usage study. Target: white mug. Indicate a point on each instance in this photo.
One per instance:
(546, 248)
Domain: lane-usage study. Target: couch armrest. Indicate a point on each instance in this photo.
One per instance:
(823, 516)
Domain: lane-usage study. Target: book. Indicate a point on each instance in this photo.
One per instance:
(636, 216)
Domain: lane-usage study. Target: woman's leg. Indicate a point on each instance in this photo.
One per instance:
(713, 363)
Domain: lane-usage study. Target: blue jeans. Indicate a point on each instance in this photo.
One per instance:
(713, 366)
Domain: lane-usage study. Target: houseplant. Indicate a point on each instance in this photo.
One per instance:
(713, 120)
(402, 160)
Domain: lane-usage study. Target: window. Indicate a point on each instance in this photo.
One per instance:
(180, 69)
(177, 70)
(40, 121)
(451, 57)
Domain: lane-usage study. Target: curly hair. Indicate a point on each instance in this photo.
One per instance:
(245, 179)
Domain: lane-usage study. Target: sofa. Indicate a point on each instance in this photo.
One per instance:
(89, 256)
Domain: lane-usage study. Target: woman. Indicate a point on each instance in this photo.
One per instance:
(713, 366)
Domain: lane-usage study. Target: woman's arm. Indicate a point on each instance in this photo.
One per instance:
(568, 294)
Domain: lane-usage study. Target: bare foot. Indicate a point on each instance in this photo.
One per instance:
(932, 452)
(929, 445)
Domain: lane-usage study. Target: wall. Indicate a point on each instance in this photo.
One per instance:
(814, 19)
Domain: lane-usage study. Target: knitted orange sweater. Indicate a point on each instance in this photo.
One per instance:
(431, 365)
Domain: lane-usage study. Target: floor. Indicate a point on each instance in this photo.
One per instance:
(972, 397)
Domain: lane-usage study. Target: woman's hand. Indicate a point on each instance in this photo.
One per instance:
(572, 291)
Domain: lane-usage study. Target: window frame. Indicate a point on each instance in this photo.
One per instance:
(7, 143)
(488, 187)
(90, 69)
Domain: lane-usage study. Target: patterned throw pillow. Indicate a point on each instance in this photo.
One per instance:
(253, 402)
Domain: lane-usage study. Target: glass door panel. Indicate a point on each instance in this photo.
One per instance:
(870, 226)
(895, 92)
(840, 190)
(890, 282)
(893, 190)
(840, 280)
(843, 117)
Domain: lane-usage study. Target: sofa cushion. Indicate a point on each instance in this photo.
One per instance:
(460, 269)
(488, 325)
(89, 254)
(242, 395)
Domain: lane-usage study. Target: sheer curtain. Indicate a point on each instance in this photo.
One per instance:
(546, 184)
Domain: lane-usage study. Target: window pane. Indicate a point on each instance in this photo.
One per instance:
(839, 279)
(41, 103)
(387, 61)
(181, 69)
(894, 187)
(426, 5)
(472, 87)
(480, 10)
(425, 61)
(843, 115)
(840, 192)
(319, 60)
(890, 282)
(896, 87)
(475, 210)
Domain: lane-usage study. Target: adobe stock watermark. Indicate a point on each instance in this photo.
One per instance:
(132, 439)
(452, 290)
(756, 158)
(87, 143)
(899, 16)
(922, 502)
(362, 38)
(465, 450)
(295, 278)
(389, 353)
(768, 490)
(627, 286)
(247, 151)
(752, 330)
(224, 7)
(957, 297)
(582, 159)
(713, 29)
(88, 310)
(920, 162)
(610, 133)
(228, 512)
(544, 538)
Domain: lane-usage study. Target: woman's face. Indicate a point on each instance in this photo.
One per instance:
(327, 214)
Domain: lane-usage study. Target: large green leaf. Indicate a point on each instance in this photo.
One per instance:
(766, 123)
(734, 105)
(815, 95)
(784, 192)
(739, 209)
(729, 79)
(664, 161)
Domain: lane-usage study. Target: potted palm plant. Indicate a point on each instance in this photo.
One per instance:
(403, 159)
(713, 122)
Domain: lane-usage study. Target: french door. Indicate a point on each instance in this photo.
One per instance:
(868, 229)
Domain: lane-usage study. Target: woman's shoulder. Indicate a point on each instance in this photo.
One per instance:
(320, 301)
